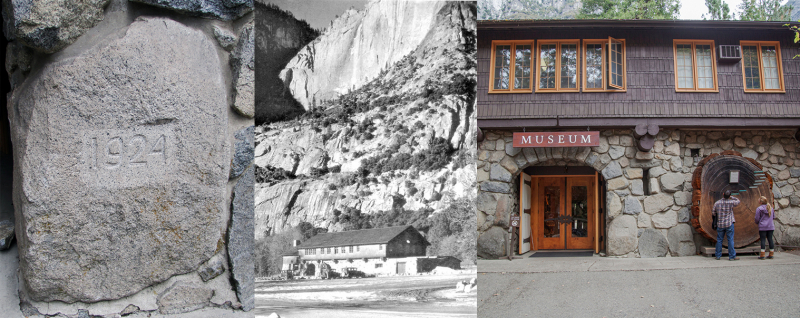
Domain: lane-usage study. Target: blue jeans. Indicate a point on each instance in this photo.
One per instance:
(728, 231)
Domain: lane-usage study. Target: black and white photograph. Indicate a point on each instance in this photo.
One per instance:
(365, 151)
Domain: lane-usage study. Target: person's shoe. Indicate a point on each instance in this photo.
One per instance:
(771, 253)
(717, 257)
(734, 259)
(761, 255)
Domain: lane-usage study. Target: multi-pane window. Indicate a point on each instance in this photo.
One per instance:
(511, 67)
(604, 65)
(351, 249)
(557, 69)
(695, 66)
(761, 67)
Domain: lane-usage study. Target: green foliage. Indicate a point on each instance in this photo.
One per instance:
(269, 250)
(272, 174)
(528, 9)
(630, 9)
(764, 10)
(717, 10)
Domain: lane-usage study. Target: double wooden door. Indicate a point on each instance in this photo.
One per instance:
(566, 212)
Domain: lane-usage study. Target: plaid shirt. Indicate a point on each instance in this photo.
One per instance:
(724, 209)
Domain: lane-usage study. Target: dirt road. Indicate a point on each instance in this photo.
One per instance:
(401, 296)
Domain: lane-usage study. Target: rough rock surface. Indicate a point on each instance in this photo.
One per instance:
(219, 9)
(240, 240)
(6, 234)
(225, 38)
(123, 176)
(48, 25)
(243, 66)
(183, 297)
(491, 244)
(681, 242)
(243, 151)
(213, 268)
(357, 47)
(621, 235)
(652, 244)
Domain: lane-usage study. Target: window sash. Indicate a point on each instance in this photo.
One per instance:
(695, 66)
(558, 66)
(511, 66)
(616, 69)
(761, 67)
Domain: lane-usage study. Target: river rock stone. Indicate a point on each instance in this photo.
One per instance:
(653, 244)
(672, 182)
(498, 173)
(614, 205)
(211, 269)
(498, 187)
(124, 157)
(658, 203)
(240, 239)
(243, 151)
(612, 171)
(681, 242)
(632, 206)
(665, 220)
(225, 10)
(183, 297)
(622, 235)
(49, 26)
(491, 244)
(242, 64)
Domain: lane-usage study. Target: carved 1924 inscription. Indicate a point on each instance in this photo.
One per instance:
(125, 158)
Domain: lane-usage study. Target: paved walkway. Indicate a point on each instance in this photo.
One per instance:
(601, 264)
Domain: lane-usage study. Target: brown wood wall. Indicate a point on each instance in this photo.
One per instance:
(651, 83)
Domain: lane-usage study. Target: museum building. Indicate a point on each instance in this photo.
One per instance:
(617, 136)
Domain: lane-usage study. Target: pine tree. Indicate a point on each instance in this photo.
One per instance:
(630, 9)
(764, 10)
(717, 10)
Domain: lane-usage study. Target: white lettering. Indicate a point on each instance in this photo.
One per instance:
(561, 139)
(526, 139)
(538, 141)
(586, 139)
(571, 139)
(550, 139)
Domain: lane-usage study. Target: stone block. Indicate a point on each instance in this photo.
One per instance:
(637, 187)
(633, 173)
(6, 234)
(183, 297)
(656, 172)
(617, 183)
(612, 171)
(638, 163)
(530, 155)
(492, 243)
(240, 239)
(653, 244)
(622, 235)
(243, 151)
(684, 215)
(726, 144)
(654, 186)
(632, 206)
(665, 220)
(672, 182)
(777, 150)
(614, 204)
(683, 198)
(672, 150)
(658, 203)
(602, 147)
(739, 142)
(681, 242)
(132, 175)
(643, 221)
(243, 72)
(47, 26)
(498, 173)
(497, 187)
(616, 152)
(509, 164)
(511, 150)
(626, 141)
(212, 268)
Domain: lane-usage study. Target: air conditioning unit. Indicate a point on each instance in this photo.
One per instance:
(729, 53)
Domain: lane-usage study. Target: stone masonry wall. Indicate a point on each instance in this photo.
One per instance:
(638, 224)
(132, 132)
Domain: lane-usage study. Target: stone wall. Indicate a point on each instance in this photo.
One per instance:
(638, 224)
(132, 136)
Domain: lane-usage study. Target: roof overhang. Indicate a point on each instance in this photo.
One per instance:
(630, 24)
(608, 123)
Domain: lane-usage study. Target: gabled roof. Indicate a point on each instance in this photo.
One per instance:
(360, 237)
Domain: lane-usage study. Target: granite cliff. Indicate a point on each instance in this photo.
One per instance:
(403, 137)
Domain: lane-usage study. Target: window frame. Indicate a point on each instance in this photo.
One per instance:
(763, 89)
(714, 70)
(558, 43)
(511, 66)
(605, 58)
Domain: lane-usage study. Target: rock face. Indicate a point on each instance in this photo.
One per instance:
(219, 9)
(357, 47)
(280, 36)
(653, 244)
(243, 65)
(491, 244)
(240, 240)
(47, 25)
(621, 235)
(183, 297)
(243, 151)
(123, 178)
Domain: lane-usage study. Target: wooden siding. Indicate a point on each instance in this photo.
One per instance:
(650, 78)
(408, 243)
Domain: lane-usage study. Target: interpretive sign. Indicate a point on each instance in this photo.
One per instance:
(557, 139)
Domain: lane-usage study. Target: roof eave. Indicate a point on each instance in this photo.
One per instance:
(598, 23)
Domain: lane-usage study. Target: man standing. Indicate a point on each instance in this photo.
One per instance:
(725, 221)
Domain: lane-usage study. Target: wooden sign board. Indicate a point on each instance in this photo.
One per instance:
(515, 220)
(557, 139)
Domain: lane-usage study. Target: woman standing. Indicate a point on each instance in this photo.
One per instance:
(764, 216)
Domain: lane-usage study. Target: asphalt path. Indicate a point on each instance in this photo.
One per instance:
(740, 291)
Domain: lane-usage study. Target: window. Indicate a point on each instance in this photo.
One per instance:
(358, 248)
(761, 67)
(351, 249)
(507, 79)
(557, 69)
(695, 66)
(604, 65)
(380, 247)
(378, 265)
(335, 250)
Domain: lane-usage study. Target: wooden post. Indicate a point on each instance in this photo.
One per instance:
(596, 214)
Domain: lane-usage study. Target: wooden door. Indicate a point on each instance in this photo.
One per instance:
(524, 213)
(566, 212)
(581, 210)
(401, 267)
(551, 209)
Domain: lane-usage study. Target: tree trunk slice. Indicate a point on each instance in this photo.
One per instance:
(714, 180)
(652, 129)
(645, 143)
(480, 134)
(640, 130)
